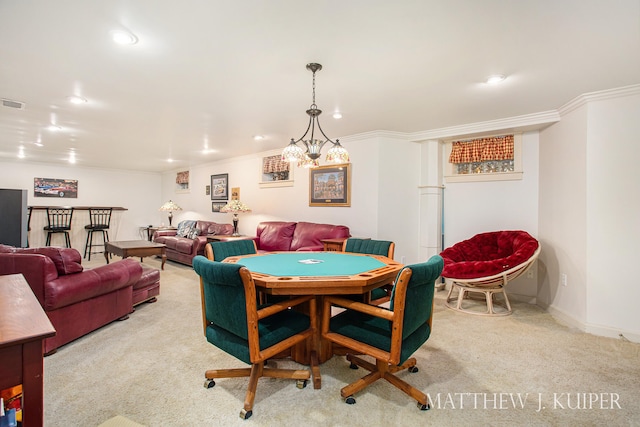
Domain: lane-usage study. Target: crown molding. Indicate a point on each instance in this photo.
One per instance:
(601, 95)
(375, 134)
(522, 123)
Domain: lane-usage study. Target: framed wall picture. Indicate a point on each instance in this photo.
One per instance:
(216, 206)
(235, 193)
(53, 187)
(220, 187)
(330, 185)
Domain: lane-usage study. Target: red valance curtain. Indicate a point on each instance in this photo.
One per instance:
(482, 149)
(182, 177)
(273, 164)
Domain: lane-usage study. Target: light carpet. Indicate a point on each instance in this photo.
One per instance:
(523, 369)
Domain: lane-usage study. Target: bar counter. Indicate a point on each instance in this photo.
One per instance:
(78, 234)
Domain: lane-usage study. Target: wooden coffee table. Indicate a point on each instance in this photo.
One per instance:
(135, 248)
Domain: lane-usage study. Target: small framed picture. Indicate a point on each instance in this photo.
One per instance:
(216, 206)
(330, 185)
(220, 187)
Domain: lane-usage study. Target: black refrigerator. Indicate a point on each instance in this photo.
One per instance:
(13, 217)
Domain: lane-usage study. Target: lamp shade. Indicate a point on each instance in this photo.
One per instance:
(235, 206)
(170, 206)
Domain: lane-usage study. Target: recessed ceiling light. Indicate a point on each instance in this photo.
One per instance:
(76, 99)
(123, 37)
(170, 160)
(54, 128)
(495, 79)
(337, 115)
(258, 137)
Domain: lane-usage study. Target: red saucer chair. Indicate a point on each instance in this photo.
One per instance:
(484, 264)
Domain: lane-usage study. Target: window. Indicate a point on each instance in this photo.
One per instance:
(490, 158)
(276, 172)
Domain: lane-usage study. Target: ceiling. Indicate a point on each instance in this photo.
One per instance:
(211, 74)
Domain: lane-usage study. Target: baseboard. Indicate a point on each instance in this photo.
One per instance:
(590, 328)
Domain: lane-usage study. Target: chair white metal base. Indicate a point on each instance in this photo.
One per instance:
(466, 292)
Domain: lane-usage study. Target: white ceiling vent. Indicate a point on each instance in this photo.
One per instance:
(13, 104)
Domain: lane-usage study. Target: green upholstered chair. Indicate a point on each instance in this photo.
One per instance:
(218, 251)
(391, 335)
(234, 323)
(372, 247)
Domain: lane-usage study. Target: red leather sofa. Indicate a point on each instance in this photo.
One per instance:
(296, 236)
(183, 249)
(77, 301)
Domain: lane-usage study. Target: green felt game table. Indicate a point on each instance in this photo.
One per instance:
(319, 274)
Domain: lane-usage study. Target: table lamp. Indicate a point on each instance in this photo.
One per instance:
(235, 207)
(170, 206)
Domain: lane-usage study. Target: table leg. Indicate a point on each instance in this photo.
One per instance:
(106, 255)
(164, 259)
(315, 371)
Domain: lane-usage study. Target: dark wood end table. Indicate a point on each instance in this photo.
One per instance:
(135, 248)
(333, 245)
(23, 328)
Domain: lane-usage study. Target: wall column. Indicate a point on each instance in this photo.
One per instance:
(431, 197)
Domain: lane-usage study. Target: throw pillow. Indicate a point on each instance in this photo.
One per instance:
(184, 227)
(193, 233)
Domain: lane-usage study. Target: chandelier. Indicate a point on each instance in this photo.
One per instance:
(309, 158)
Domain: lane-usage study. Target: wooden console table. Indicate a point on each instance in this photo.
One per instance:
(23, 327)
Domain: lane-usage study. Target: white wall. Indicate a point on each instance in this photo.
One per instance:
(384, 180)
(477, 207)
(613, 216)
(562, 215)
(137, 192)
(589, 210)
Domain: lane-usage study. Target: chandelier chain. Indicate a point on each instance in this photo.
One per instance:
(313, 103)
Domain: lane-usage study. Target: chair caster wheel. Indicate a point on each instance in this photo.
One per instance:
(245, 415)
(423, 407)
(413, 369)
(209, 383)
(353, 366)
(301, 383)
(350, 400)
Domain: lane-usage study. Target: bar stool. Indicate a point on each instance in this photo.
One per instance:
(59, 220)
(29, 209)
(100, 221)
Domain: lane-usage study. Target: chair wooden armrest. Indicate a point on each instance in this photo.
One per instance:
(373, 310)
(281, 306)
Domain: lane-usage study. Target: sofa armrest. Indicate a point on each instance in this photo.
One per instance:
(72, 288)
(37, 270)
(199, 244)
(159, 233)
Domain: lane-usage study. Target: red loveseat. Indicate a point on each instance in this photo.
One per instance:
(182, 249)
(296, 236)
(77, 301)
